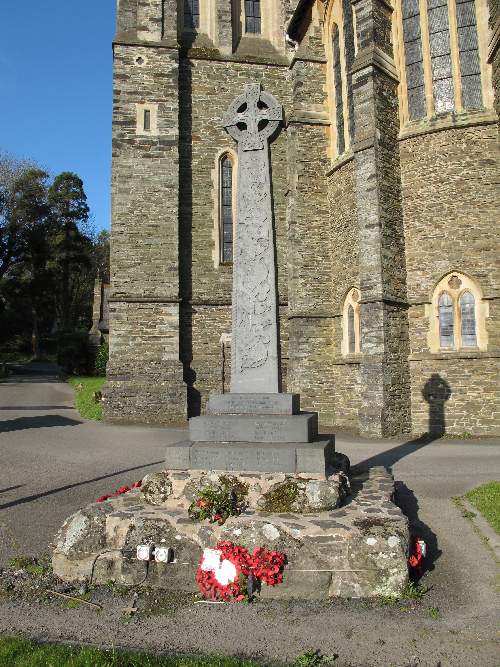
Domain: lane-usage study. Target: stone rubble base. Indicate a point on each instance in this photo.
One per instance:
(357, 550)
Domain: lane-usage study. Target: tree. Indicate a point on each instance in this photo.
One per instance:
(28, 213)
(101, 256)
(72, 254)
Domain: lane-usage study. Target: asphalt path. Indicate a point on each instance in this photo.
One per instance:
(52, 462)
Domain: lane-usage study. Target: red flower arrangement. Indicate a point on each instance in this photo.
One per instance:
(120, 491)
(419, 552)
(225, 572)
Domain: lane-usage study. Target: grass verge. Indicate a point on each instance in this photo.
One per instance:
(85, 402)
(17, 652)
(486, 499)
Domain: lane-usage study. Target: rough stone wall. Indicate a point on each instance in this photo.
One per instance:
(308, 216)
(451, 202)
(144, 372)
(344, 256)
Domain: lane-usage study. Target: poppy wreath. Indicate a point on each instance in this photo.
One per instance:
(120, 491)
(229, 573)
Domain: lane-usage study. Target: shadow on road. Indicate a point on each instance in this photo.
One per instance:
(36, 496)
(42, 421)
(407, 501)
(391, 456)
(35, 408)
(11, 488)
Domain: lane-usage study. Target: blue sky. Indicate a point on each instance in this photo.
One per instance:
(55, 89)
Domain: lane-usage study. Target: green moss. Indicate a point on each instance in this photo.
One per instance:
(280, 498)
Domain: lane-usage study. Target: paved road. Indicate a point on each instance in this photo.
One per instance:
(52, 462)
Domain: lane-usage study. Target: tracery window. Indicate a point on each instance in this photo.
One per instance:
(192, 14)
(252, 16)
(351, 324)
(226, 208)
(459, 315)
(439, 54)
(340, 52)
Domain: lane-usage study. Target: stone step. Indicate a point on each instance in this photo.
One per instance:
(254, 428)
(253, 404)
(288, 457)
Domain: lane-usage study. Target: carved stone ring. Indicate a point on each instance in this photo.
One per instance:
(253, 118)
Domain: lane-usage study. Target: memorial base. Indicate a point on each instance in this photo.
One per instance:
(357, 550)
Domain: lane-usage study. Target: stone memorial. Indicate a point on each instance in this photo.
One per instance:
(254, 414)
(287, 485)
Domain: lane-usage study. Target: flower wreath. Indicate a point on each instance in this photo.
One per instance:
(231, 574)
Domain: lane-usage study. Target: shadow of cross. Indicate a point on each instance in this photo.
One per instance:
(253, 118)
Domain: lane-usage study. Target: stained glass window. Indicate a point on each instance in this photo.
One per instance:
(413, 56)
(191, 13)
(446, 320)
(468, 319)
(226, 209)
(337, 84)
(252, 16)
(439, 42)
(470, 66)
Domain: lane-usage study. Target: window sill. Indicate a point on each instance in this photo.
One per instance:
(446, 122)
(454, 354)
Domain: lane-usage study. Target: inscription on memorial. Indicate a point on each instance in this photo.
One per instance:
(268, 458)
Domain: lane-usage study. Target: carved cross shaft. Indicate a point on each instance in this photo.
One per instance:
(252, 120)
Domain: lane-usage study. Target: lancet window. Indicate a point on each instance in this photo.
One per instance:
(226, 208)
(351, 323)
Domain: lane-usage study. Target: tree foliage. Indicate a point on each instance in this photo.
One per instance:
(49, 256)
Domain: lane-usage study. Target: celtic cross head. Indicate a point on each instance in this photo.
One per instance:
(253, 118)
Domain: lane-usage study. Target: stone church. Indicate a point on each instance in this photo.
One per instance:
(385, 202)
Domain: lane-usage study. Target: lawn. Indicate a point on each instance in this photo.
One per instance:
(16, 652)
(85, 388)
(486, 499)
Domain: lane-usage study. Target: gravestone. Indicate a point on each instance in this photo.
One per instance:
(254, 427)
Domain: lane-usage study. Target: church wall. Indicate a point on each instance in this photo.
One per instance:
(451, 204)
(144, 372)
(207, 88)
(344, 257)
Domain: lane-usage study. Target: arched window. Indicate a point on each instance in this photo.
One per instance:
(226, 208)
(340, 48)
(446, 320)
(468, 319)
(351, 338)
(439, 56)
(459, 315)
(337, 86)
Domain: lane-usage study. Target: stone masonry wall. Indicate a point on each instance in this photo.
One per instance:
(144, 372)
(451, 202)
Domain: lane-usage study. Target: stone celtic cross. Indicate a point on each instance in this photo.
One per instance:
(252, 120)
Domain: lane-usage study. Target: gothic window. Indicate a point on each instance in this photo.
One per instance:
(226, 221)
(340, 48)
(439, 56)
(414, 61)
(470, 65)
(351, 339)
(337, 85)
(445, 320)
(468, 319)
(192, 14)
(252, 16)
(460, 315)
